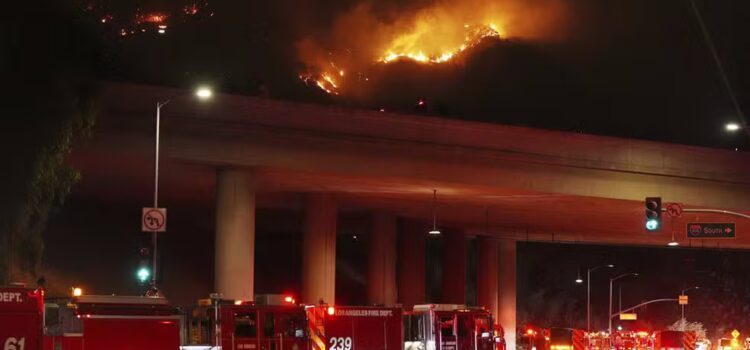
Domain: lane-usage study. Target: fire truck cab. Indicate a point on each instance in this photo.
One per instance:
(21, 318)
(448, 327)
(271, 323)
(28, 322)
(110, 322)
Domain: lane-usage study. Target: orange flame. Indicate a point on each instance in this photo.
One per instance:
(368, 35)
(405, 47)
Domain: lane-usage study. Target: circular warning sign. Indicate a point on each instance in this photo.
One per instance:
(674, 209)
(154, 220)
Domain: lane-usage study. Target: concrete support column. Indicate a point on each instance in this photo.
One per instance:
(381, 267)
(412, 241)
(454, 267)
(487, 274)
(319, 250)
(234, 265)
(507, 299)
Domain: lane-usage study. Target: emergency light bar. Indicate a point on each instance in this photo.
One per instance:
(439, 307)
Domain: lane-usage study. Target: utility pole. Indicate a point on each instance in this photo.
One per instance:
(611, 281)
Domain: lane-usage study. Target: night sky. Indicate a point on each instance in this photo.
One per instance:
(635, 68)
(638, 69)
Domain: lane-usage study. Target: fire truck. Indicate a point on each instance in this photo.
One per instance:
(21, 318)
(449, 327)
(86, 322)
(277, 323)
(674, 340)
(230, 324)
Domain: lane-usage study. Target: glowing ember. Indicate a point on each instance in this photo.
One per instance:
(404, 47)
(190, 9)
(155, 18)
(324, 81)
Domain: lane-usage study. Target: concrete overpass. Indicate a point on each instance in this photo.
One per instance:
(498, 183)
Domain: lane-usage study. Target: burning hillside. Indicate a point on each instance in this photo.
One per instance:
(435, 34)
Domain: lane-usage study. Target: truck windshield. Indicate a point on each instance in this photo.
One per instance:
(293, 325)
(561, 336)
(245, 324)
(414, 327)
(446, 326)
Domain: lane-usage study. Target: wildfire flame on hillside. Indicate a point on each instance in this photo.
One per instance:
(432, 35)
(406, 47)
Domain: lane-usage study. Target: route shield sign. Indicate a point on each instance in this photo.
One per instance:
(711, 230)
(154, 219)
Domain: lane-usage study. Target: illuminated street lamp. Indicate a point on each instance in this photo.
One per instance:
(202, 93)
(588, 293)
(434, 231)
(611, 281)
(732, 127)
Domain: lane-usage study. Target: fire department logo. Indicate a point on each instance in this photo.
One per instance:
(14, 344)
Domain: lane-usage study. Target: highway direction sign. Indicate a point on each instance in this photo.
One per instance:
(711, 230)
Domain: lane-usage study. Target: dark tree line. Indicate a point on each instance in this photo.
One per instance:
(47, 57)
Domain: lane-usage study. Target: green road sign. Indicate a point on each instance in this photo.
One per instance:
(711, 230)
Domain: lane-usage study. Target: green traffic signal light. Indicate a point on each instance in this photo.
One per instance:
(143, 274)
(653, 214)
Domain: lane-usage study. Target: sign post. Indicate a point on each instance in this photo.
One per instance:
(711, 230)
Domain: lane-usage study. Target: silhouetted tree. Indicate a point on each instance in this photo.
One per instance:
(46, 61)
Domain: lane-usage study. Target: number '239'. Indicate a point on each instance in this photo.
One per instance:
(340, 343)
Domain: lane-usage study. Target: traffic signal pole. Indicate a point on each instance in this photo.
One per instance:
(637, 306)
(714, 211)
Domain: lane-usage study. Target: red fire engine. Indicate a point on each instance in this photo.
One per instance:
(449, 327)
(275, 323)
(86, 322)
(270, 324)
(89, 322)
(21, 318)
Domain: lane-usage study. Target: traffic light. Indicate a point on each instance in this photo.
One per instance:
(653, 214)
(143, 273)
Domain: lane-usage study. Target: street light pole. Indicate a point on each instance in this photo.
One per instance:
(154, 240)
(588, 294)
(202, 93)
(682, 319)
(611, 281)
